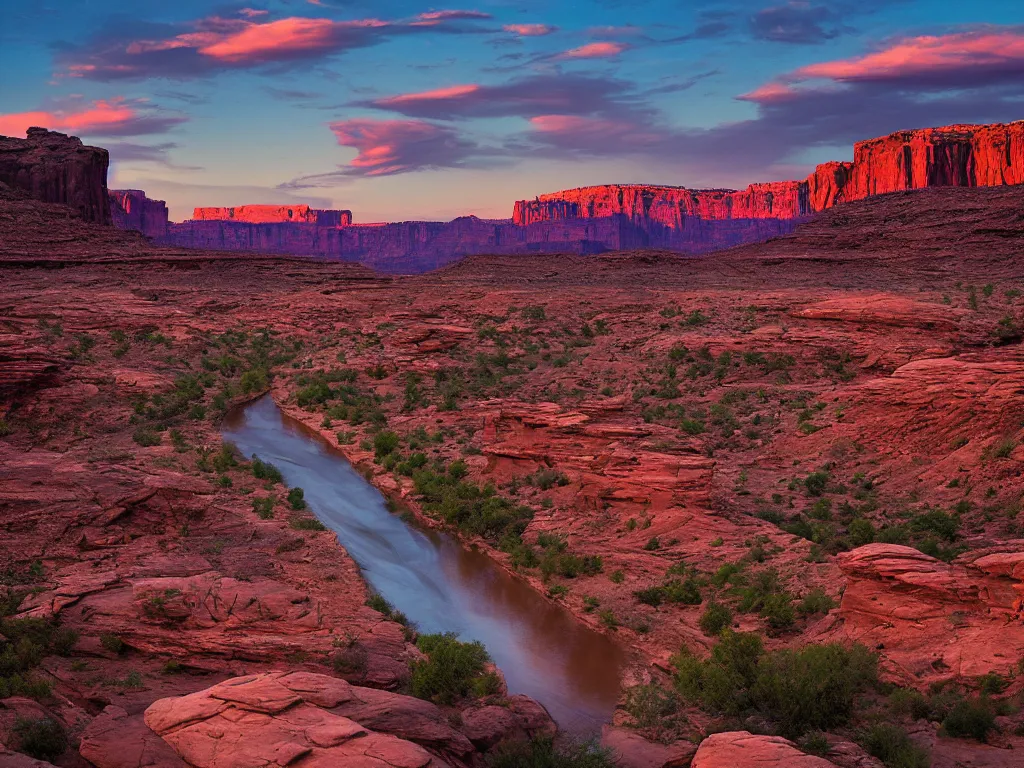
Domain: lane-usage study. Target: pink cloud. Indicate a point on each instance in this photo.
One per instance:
(969, 56)
(602, 50)
(388, 147)
(438, 94)
(246, 39)
(770, 92)
(530, 30)
(431, 18)
(113, 117)
(259, 42)
(923, 56)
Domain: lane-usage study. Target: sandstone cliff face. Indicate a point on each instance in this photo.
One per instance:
(275, 214)
(131, 209)
(668, 206)
(954, 156)
(56, 168)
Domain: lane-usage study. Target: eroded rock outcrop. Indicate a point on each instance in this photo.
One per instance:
(283, 716)
(131, 209)
(56, 168)
(935, 620)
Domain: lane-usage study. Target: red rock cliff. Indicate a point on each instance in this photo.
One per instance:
(669, 206)
(57, 168)
(957, 155)
(274, 214)
(131, 209)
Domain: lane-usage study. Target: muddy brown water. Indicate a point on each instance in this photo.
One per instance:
(439, 583)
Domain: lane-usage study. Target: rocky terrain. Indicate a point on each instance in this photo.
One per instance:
(785, 478)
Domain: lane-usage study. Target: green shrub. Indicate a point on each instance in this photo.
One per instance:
(970, 718)
(297, 499)
(890, 744)
(43, 738)
(450, 668)
(112, 642)
(306, 524)
(816, 482)
(146, 437)
(815, 743)
(542, 753)
(815, 601)
(813, 688)
(654, 709)
(264, 508)
(716, 617)
(861, 532)
(385, 443)
(263, 470)
(380, 604)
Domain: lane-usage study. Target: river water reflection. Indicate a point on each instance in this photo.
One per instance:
(438, 583)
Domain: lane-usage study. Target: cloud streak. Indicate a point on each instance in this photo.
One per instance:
(545, 94)
(210, 44)
(111, 117)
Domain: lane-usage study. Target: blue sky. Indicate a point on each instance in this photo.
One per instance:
(402, 110)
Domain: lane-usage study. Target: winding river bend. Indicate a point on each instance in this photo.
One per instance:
(437, 582)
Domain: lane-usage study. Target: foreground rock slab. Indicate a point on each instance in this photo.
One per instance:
(741, 749)
(276, 719)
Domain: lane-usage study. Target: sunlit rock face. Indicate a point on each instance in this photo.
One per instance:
(56, 168)
(953, 156)
(131, 209)
(274, 214)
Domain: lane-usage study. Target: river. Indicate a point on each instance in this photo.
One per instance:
(440, 584)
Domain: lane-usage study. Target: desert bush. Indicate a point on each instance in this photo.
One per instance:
(716, 617)
(542, 753)
(813, 688)
(890, 744)
(42, 738)
(970, 718)
(450, 669)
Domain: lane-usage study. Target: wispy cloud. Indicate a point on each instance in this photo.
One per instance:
(110, 117)
(598, 50)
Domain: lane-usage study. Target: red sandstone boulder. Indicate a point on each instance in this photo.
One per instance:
(631, 750)
(740, 749)
(260, 720)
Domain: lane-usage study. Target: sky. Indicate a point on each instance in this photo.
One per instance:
(400, 110)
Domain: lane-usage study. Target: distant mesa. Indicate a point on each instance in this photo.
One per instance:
(589, 220)
(275, 214)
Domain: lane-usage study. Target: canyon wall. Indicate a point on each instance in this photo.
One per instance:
(953, 156)
(410, 246)
(131, 209)
(667, 206)
(56, 168)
